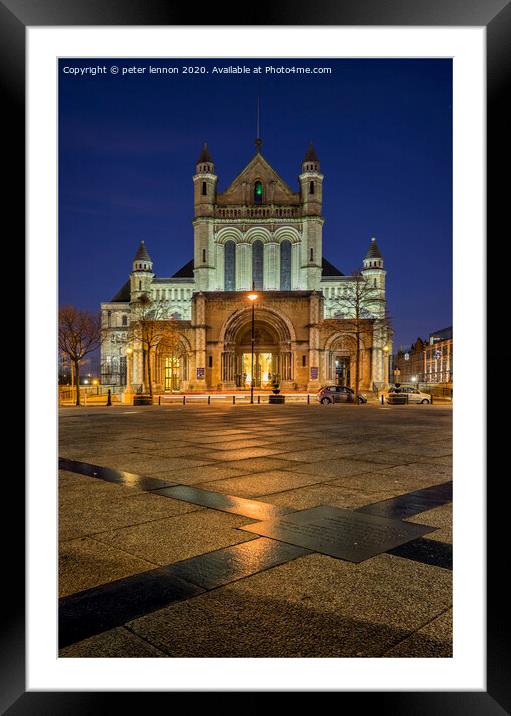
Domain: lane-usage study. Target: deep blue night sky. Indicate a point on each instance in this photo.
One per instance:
(382, 130)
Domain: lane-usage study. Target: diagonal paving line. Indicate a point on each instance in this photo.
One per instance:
(113, 604)
(422, 550)
(101, 608)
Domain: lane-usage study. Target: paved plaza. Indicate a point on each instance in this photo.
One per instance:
(255, 531)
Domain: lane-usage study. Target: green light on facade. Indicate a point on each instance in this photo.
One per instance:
(258, 188)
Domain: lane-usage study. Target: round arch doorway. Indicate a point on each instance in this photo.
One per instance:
(266, 355)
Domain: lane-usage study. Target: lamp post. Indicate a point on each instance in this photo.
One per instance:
(385, 364)
(252, 297)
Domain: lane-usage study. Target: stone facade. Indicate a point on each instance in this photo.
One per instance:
(261, 236)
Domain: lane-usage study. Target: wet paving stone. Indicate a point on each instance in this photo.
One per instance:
(412, 503)
(225, 503)
(119, 477)
(427, 551)
(102, 608)
(228, 565)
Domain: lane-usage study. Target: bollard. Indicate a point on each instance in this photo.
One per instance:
(308, 399)
(184, 399)
(159, 400)
(259, 400)
(109, 397)
(209, 399)
(382, 399)
(431, 398)
(234, 400)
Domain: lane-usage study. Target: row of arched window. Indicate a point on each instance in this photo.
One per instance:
(257, 265)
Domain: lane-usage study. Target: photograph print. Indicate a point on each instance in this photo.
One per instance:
(255, 358)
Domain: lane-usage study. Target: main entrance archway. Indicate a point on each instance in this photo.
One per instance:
(272, 349)
(266, 361)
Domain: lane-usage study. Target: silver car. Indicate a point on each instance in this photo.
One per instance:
(412, 395)
(338, 394)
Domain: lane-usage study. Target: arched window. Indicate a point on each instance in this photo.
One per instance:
(285, 266)
(109, 318)
(125, 320)
(204, 188)
(203, 256)
(311, 188)
(140, 285)
(312, 255)
(258, 192)
(230, 266)
(257, 265)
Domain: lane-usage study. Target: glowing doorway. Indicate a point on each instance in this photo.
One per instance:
(262, 369)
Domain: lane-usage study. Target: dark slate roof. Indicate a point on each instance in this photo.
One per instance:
(442, 335)
(185, 271)
(123, 295)
(311, 155)
(373, 252)
(328, 269)
(205, 156)
(142, 254)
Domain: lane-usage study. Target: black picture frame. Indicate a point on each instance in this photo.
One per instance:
(15, 17)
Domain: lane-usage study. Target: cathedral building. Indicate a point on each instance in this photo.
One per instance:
(262, 238)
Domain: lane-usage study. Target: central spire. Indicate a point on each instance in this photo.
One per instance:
(258, 141)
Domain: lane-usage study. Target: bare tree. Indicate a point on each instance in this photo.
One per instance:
(360, 308)
(80, 333)
(151, 327)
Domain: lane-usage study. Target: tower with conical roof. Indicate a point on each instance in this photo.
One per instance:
(204, 193)
(142, 274)
(374, 274)
(311, 194)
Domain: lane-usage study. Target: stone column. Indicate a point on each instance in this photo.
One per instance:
(271, 264)
(219, 249)
(295, 266)
(315, 308)
(200, 342)
(243, 267)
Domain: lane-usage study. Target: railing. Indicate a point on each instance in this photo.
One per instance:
(259, 212)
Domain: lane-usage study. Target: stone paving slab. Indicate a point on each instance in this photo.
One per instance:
(88, 510)
(113, 644)
(314, 606)
(261, 483)
(434, 640)
(336, 468)
(86, 563)
(206, 473)
(172, 540)
(440, 517)
(327, 494)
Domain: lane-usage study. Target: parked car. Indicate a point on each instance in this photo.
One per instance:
(406, 394)
(338, 394)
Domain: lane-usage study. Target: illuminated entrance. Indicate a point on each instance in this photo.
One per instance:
(342, 370)
(172, 373)
(263, 369)
(272, 351)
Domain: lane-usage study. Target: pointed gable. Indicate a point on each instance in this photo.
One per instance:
(276, 190)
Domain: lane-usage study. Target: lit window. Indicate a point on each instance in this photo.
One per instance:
(258, 193)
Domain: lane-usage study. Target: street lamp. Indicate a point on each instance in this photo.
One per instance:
(252, 297)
